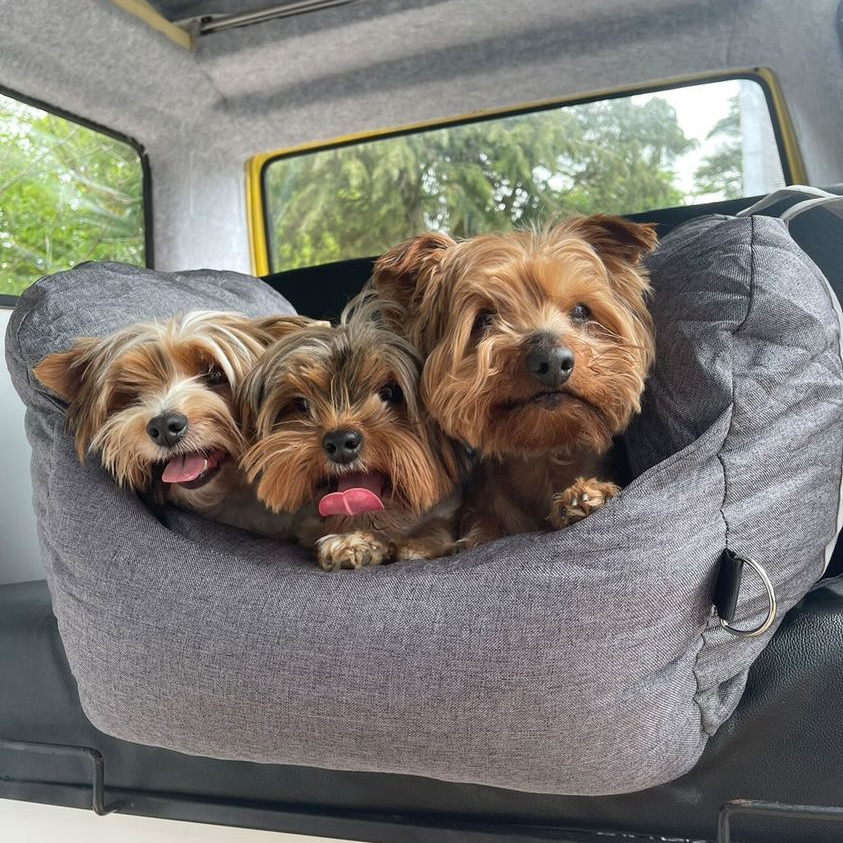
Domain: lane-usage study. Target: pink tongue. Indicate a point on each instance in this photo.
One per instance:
(184, 468)
(356, 493)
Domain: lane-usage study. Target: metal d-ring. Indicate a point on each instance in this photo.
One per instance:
(771, 610)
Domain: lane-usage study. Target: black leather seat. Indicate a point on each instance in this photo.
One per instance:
(784, 743)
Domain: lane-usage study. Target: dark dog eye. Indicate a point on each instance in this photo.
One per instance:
(391, 393)
(482, 322)
(120, 400)
(214, 376)
(580, 313)
(301, 404)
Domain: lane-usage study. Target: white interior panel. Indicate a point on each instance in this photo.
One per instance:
(20, 559)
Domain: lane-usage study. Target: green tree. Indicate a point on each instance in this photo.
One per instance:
(721, 171)
(67, 194)
(609, 156)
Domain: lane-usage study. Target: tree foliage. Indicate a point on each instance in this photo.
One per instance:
(67, 194)
(70, 194)
(721, 172)
(609, 156)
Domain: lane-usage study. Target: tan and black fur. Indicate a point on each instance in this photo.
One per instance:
(482, 312)
(362, 378)
(190, 365)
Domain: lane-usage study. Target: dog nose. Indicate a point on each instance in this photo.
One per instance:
(550, 364)
(342, 446)
(166, 429)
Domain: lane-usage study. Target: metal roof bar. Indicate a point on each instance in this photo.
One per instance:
(208, 24)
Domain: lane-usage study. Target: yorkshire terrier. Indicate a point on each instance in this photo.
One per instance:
(339, 438)
(538, 344)
(155, 401)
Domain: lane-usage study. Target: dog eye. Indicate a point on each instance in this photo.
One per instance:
(580, 313)
(482, 322)
(391, 393)
(214, 376)
(121, 399)
(301, 405)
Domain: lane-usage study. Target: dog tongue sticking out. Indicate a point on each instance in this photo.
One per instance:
(187, 467)
(356, 493)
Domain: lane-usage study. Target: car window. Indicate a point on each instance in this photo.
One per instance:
(624, 154)
(68, 193)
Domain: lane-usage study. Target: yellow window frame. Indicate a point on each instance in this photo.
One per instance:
(791, 158)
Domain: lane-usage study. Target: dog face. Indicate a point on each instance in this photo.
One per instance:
(155, 401)
(536, 341)
(334, 420)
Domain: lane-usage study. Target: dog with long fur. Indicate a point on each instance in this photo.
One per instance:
(155, 401)
(340, 440)
(537, 346)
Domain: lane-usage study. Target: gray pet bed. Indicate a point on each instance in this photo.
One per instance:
(588, 661)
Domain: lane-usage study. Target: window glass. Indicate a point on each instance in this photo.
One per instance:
(68, 194)
(698, 143)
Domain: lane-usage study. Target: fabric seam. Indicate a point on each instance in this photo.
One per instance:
(705, 632)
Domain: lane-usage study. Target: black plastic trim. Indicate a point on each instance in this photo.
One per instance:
(146, 171)
(754, 807)
(93, 755)
(364, 826)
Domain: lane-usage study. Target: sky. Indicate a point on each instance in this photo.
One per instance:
(698, 108)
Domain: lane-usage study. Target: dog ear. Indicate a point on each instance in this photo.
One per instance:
(616, 238)
(64, 372)
(277, 327)
(621, 244)
(400, 273)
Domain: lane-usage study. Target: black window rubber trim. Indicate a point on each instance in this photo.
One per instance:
(146, 172)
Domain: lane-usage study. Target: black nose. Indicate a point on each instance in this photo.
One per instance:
(342, 446)
(549, 363)
(167, 429)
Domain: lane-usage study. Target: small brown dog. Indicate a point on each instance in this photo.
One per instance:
(339, 438)
(538, 344)
(155, 401)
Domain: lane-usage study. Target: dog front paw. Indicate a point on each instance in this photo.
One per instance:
(350, 550)
(423, 549)
(579, 500)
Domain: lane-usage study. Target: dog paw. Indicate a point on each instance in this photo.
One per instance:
(421, 549)
(350, 550)
(579, 500)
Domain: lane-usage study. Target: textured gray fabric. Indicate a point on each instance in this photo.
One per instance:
(583, 662)
(750, 324)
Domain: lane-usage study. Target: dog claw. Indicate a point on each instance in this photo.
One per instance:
(579, 501)
(350, 550)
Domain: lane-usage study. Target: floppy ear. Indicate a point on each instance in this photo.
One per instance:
(64, 372)
(621, 244)
(615, 238)
(277, 327)
(401, 272)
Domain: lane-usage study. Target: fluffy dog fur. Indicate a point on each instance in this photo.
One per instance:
(476, 310)
(359, 378)
(114, 386)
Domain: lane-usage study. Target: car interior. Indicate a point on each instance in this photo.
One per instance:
(220, 119)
